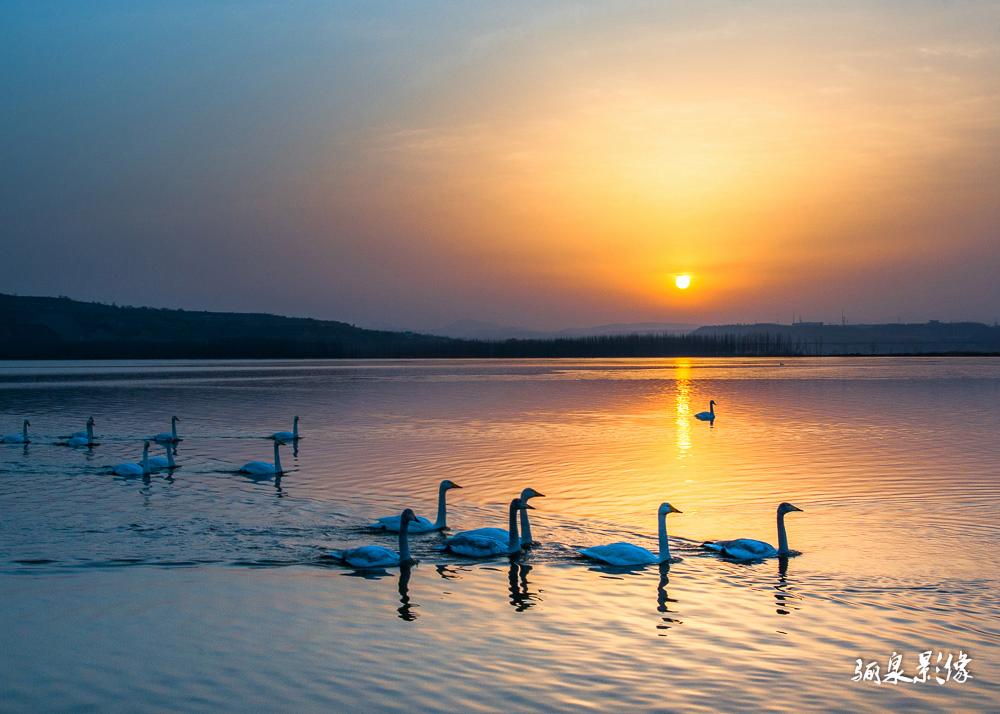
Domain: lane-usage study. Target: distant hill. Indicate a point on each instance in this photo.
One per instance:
(45, 327)
(480, 330)
(817, 338)
(61, 328)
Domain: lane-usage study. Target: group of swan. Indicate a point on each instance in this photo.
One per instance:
(147, 464)
(492, 542)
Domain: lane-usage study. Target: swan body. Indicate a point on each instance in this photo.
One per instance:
(626, 554)
(377, 556)
(749, 549)
(163, 463)
(485, 542)
(21, 438)
(709, 415)
(525, 526)
(82, 438)
(139, 469)
(292, 435)
(169, 437)
(263, 468)
(420, 524)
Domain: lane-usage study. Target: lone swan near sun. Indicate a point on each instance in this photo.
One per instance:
(749, 549)
(709, 415)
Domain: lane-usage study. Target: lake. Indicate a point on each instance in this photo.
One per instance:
(211, 591)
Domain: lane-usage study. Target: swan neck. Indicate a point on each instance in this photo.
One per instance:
(664, 542)
(173, 428)
(404, 540)
(525, 528)
(24, 430)
(170, 457)
(711, 409)
(442, 516)
(782, 535)
(277, 459)
(90, 432)
(145, 461)
(513, 543)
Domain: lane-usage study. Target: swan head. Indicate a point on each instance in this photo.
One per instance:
(90, 421)
(145, 445)
(666, 508)
(787, 508)
(175, 418)
(408, 516)
(712, 402)
(518, 505)
(447, 484)
(530, 493)
(27, 423)
(296, 419)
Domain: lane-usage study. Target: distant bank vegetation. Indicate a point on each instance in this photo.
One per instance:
(61, 328)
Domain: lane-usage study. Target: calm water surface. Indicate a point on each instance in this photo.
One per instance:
(210, 591)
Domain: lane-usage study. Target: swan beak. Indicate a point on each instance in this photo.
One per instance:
(539, 495)
(674, 510)
(794, 508)
(455, 485)
(527, 507)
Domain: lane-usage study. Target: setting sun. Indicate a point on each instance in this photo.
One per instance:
(683, 282)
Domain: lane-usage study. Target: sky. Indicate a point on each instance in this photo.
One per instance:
(539, 164)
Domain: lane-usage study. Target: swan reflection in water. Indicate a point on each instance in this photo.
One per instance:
(405, 608)
(663, 600)
(521, 597)
(784, 596)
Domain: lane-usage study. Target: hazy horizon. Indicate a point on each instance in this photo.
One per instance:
(545, 166)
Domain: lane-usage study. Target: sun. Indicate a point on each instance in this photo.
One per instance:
(683, 282)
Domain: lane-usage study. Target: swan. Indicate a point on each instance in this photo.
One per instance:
(21, 438)
(292, 435)
(501, 535)
(169, 437)
(376, 556)
(139, 469)
(421, 524)
(163, 463)
(749, 549)
(82, 438)
(626, 554)
(709, 415)
(262, 468)
(473, 544)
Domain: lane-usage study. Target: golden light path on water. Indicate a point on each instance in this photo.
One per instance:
(222, 581)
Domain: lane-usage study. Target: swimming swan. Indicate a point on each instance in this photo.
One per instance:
(375, 556)
(169, 437)
(421, 524)
(262, 468)
(748, 549)
(292, 435)
(21, 438)
(709, 415)
(626, 554)
(139, 469)
(82, 438)
(501, 535)
(473, 544)
(163, 463)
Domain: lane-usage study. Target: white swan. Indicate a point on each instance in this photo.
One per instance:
(139, 469)
(421, 524)
(163, 463)
(82, 438)
(473, 544)
(709, 415)
(169, 437)
(749, 549)
(626, 554)
(262, 468)
(21, 438)
(292, 435)
(376, 556)
(501, 535)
